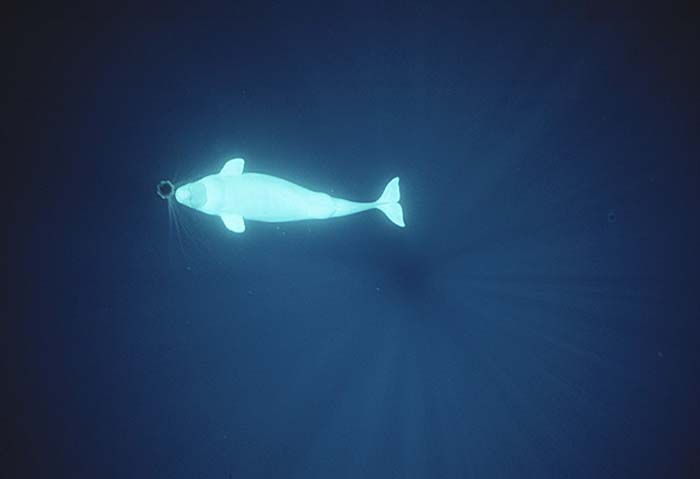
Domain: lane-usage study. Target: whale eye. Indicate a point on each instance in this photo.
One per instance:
(165, 189)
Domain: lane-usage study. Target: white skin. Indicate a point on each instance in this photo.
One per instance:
(235, 196)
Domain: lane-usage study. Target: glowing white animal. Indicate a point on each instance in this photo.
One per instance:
(236, 196)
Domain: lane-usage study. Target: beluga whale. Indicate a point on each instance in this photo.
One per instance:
(237, 197)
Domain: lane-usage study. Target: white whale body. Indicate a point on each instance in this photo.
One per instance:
(236, 197)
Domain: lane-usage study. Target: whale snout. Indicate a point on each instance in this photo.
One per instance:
(193, 195)
(182, 194)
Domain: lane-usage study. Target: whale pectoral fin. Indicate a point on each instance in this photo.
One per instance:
(234, 223)
(233, 167)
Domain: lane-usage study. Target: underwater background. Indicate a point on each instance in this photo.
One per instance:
(537, 317)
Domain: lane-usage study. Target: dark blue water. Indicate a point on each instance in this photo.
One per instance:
(537, 317)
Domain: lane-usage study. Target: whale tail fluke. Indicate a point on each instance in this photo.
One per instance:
(388, 203)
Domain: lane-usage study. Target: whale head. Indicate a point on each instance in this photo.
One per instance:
(192, 195)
